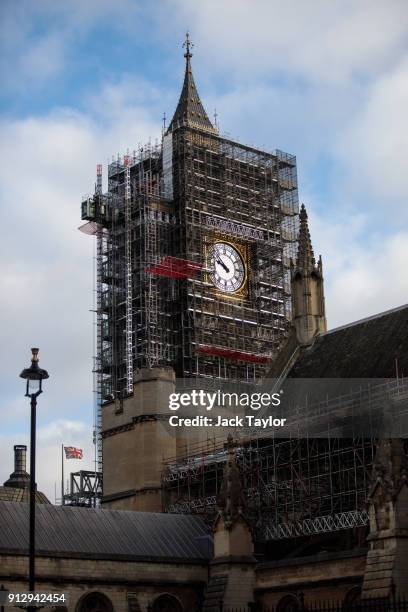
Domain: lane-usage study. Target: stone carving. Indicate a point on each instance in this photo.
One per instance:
(231, 500)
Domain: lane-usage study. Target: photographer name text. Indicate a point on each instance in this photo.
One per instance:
(249, 420)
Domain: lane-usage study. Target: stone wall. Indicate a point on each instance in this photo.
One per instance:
(136, 440)
(115, 579)
(323, 577)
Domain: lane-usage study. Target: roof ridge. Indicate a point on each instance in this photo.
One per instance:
(369, 318)
(64, 508)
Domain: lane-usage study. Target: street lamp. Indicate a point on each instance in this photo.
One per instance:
(34, 376)
(3, 597)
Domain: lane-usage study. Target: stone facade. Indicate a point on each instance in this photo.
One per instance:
(121, 582)
(324, 577)
(387, 560)
(135, 442)
(235, 580)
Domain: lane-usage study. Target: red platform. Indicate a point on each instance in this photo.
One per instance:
(174, 267)
(231, 354)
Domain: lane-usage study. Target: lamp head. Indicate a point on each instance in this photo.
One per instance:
(34, 375)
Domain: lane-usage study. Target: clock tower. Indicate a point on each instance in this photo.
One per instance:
(195, 235)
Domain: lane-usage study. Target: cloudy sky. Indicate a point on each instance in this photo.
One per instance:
(84, 80)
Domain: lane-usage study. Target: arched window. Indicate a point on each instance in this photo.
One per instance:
(167, 603)
(94, 602)
(352, 598)
(289, 603)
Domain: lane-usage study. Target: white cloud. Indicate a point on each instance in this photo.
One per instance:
(364, 273)
(318, 41)
(39, 40)
(46, 284)
(46, 165)
(374, 146)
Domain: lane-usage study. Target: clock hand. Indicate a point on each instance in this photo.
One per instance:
(223, 265)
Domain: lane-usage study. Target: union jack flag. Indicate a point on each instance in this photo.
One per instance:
(73, 453)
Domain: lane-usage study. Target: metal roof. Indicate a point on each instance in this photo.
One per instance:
(105, 534)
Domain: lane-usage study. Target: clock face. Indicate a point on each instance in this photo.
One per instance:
(227, 267)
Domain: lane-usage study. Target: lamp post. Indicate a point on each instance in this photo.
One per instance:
(3, 597)
(34, 376)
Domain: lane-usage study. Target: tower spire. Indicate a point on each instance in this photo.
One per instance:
(305, 256)
(190, 111)
(308, 307)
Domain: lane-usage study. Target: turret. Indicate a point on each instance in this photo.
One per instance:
(308, 307)
(232, 571)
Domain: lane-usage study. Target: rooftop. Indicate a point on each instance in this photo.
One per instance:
(375, 347)
(105, 534)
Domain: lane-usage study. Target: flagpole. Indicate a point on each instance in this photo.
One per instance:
(62, 474)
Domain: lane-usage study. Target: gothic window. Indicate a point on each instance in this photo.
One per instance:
(167, 603)
(289, 603)
(95, 602)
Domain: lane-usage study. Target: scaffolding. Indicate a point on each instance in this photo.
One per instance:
(294, 486)
(85, 489)
(165, 206)
(227, 192)
(93, 209)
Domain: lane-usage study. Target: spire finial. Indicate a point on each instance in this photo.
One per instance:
(188, 45)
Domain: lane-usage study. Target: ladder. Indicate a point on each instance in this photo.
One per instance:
(128, 279)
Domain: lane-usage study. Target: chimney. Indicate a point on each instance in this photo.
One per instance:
(19, 479)
(20, 459)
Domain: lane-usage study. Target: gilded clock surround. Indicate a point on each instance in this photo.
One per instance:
(243, 251)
